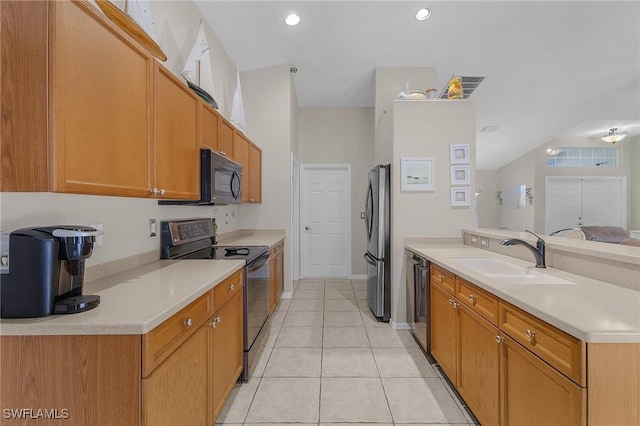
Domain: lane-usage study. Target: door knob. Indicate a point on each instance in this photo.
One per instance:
(307, 228)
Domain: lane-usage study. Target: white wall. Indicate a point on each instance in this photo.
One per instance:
(487, 208)
(521, 171)
(633, 184)
(126, 219)
(390, 81)
(342, 136)
(426, 129)
(268, 106)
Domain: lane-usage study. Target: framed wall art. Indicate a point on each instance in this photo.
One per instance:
(416, 174)
(459, 154)
(460, 197)
(460, 175)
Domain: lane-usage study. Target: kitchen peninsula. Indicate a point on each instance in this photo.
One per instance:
(572, 339)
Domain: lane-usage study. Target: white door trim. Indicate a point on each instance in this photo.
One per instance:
(310, 166)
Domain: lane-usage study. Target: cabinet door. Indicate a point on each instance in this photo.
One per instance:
(177, 155)
(225, 138)
(176, 393)
(241, 155)
(207, 126)
(479, 366)
(444, 330)
(226, 353)
(101, 99)
(255, 174)
(273, 282)
(533, 393)
(280, 273)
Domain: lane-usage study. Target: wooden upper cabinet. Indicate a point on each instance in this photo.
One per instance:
(255, 174)
(176, 138)
(207, 126)
(100, 106)
(241, 155)
(225, 138)
(23, 90)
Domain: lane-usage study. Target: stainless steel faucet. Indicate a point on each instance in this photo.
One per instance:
(538, 250)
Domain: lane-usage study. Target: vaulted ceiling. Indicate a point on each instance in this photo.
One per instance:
(552, 68)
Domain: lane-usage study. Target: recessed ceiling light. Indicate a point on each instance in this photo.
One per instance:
(423, 14)
(292, 19)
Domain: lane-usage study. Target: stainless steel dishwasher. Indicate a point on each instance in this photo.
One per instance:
(418, 282)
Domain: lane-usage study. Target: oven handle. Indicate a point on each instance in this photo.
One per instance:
(258, 263)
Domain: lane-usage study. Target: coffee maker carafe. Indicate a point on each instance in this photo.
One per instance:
(45, 271)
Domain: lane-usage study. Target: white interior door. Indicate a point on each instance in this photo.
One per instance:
(585, 201)
(325, 220)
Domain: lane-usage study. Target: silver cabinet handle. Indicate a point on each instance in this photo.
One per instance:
(499, 339)
(231, 287)
(441, 278)
(473, 299)
(252, 200)
(188, 322)
(530, 334)
(215, 322)
(154, 191)
(162, 192)
(307, 228)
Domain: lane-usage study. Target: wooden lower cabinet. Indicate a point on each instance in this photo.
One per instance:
(176, 392)
(225, 353)
(533, 393)
(276, 275)
(83, 380)
(479, 365)
(444, 331)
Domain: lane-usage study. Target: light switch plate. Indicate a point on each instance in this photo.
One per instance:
(361, 215)
(153, 228)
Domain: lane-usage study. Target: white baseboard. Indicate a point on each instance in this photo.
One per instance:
(399, 325)
(358, 277)
(286, 295)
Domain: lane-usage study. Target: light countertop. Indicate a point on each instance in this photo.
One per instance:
(590, 310)
(266, 237)
(134, 301)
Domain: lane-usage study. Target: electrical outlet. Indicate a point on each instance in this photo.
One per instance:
(361, 215)
(153, 228)
(474, 240)
(226, 218)
(484, 242)
(99, 238)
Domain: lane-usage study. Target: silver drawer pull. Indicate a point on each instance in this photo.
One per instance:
(441, 278)
(188, 322)
(473, 299)
(213, 324)
(499, 339)
(531, 335)
(231, 287)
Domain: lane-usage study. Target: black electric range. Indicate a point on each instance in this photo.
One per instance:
(192, 239)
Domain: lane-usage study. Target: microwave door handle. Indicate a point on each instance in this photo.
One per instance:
(235, 184)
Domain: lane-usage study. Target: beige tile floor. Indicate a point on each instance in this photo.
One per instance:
(326, 360)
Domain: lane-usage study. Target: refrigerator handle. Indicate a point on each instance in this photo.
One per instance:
(370, 260)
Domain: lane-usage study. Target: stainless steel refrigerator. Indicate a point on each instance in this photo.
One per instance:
(378, 256)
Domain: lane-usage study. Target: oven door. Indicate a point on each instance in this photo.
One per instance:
(256, 296)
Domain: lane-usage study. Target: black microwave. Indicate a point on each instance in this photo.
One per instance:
(220, 181)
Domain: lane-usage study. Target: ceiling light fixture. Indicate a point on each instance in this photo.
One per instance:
(423, 14)
(292, 19)
(614, 136)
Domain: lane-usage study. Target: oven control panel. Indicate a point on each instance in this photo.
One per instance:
(175, 233)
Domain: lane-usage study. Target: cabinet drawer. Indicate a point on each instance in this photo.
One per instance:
(443, 278)
(276, 249)
(227, 288)
(560, 350)
(481, 301)
(160, 342)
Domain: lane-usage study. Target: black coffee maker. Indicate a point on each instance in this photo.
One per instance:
(43, 271)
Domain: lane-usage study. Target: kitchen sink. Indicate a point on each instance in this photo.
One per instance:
(508, 272)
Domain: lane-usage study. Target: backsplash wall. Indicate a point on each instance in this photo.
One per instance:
(125, 220)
